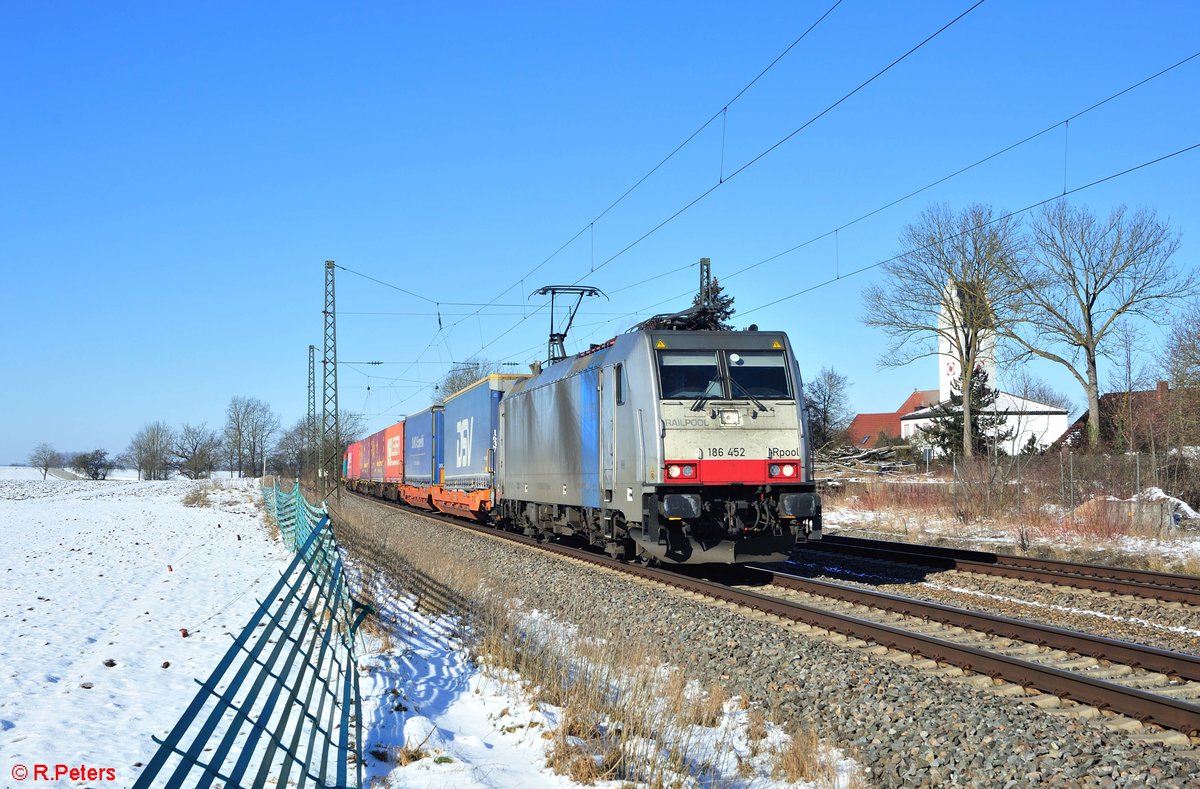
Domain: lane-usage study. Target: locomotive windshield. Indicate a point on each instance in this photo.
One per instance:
(692, 375)
(759, 374)
(689, 374)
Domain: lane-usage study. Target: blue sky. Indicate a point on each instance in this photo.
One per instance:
(176, 174)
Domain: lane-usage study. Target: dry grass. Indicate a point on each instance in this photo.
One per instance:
(622, 715)
(802, 759)
(197, 497)
(272, 527)
(1073, 508)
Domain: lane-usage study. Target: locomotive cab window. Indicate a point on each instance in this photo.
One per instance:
(619, 381)
(761, 374)
(687, 375)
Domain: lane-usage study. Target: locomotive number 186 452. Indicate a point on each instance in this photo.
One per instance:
(727, 452)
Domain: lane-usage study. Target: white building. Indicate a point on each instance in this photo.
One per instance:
(1045, 423)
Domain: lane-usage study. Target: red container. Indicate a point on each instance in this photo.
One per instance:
(377, 452)
(393, 461)
(352, 467)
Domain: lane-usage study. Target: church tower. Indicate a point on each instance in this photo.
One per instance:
(958, 314)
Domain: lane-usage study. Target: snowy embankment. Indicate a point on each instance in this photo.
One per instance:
(99, 580)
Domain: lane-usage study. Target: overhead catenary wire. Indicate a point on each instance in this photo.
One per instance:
(1000, 218)
(590, 226)
(834, 232)
(977, 163)
(785, 138)
(736, 172)
(839, 275)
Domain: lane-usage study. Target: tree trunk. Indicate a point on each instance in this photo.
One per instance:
(1093, 394)
(968, 438)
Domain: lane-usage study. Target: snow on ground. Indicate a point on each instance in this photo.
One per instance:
(473, 728)
(85, 580)
(117, 474)
(23, 472)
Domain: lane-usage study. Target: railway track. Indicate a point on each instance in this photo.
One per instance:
(1150, 685)
(1115, 580)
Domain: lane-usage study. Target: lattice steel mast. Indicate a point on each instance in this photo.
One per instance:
(331, 461)
(312, 437)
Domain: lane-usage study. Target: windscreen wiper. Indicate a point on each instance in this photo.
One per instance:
(704, 398)
(746, 392)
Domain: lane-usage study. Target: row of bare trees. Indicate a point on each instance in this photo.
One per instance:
(1062, 289)
(249, 443)
(157, 450)
(95, 464)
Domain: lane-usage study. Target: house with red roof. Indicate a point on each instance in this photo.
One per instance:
(866, 429)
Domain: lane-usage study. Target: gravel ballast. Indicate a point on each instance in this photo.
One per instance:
(906, 727)
(1173, 626)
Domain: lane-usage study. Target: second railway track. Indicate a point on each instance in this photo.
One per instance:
(1166, 587)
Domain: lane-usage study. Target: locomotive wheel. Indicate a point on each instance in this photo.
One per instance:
(646, 560)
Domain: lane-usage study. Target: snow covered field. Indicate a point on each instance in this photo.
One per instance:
(100, 572)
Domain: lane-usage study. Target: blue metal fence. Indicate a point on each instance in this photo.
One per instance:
(283, 704)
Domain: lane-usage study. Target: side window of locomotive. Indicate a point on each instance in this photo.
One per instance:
(619, 378)
(687, 375)
(762, 374)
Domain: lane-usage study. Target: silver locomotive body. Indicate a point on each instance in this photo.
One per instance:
(686, 447)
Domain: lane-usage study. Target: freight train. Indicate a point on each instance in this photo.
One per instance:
(659, 446)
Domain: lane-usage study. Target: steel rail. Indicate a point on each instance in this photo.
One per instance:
(1117, 580)
(1176, 664)
(1145, 706)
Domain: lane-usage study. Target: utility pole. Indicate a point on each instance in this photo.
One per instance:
(330, 444)
(312, 439)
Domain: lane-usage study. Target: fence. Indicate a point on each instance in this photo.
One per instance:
(283, 704)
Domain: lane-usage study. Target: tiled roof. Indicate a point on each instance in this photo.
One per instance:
(919, 400)
(865, 428)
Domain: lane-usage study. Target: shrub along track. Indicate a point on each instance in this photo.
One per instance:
(1035, 664)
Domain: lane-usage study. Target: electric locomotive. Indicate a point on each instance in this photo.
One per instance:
(673, 446)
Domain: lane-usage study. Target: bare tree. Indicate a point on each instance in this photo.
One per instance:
(1127, 376)
(196, 451)
(1182, 369)
(262, 424)
(44, 457)
(828, 399)
(237, 432)
(1023, 384)
(93, 465)
(462, 375)
(150, 450)
(249, 426)
(292, 450)
(1087, 276)
(950, 284)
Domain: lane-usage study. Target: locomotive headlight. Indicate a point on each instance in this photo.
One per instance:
(689, 471)
(674, 471)
(774, 470)
(789, 470)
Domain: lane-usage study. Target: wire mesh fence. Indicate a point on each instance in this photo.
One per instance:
(282, 706)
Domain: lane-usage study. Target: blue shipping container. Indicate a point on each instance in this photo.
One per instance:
(472, 432)
(423, 447)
